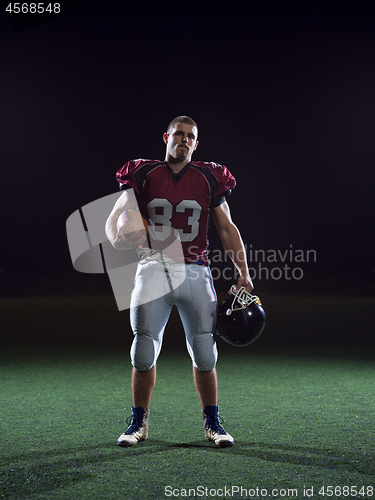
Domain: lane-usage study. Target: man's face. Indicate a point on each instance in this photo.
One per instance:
(181, 141)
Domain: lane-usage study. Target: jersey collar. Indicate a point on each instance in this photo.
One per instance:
(179, 175)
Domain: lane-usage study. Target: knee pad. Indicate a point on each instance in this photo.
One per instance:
(143, 352)
(203, 351)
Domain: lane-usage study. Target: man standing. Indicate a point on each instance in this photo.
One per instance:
(176, 198)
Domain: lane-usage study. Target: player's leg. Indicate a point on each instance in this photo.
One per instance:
(143, 383)
(197, 308)
(148, 322)
(206, 386)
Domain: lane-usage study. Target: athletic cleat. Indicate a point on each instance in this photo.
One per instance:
(138, 428)
(214, 431)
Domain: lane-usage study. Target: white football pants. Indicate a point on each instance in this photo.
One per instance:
(159, 286)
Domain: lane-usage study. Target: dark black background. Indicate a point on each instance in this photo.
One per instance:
(283, 95)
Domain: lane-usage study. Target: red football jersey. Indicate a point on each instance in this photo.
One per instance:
(178, 205)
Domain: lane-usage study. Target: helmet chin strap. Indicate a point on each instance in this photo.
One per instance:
(243, 299)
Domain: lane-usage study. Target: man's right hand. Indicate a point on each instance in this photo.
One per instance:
(129, 240)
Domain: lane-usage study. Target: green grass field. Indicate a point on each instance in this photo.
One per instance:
(299, 403)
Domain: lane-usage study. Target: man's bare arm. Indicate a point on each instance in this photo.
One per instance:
(232, 243)
(118, 240)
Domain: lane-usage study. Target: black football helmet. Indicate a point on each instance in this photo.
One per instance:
(241, 318)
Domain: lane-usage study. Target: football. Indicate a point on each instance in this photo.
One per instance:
(132, 224)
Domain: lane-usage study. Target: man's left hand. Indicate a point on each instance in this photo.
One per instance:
(245, 281)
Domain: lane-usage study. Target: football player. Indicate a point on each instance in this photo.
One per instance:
(176, 197)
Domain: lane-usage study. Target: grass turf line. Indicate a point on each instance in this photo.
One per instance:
(297, 421)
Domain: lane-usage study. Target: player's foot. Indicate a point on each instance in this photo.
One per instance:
(213, 430)
(138, 427)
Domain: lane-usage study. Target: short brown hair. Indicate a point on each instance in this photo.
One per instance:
(182, 119)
